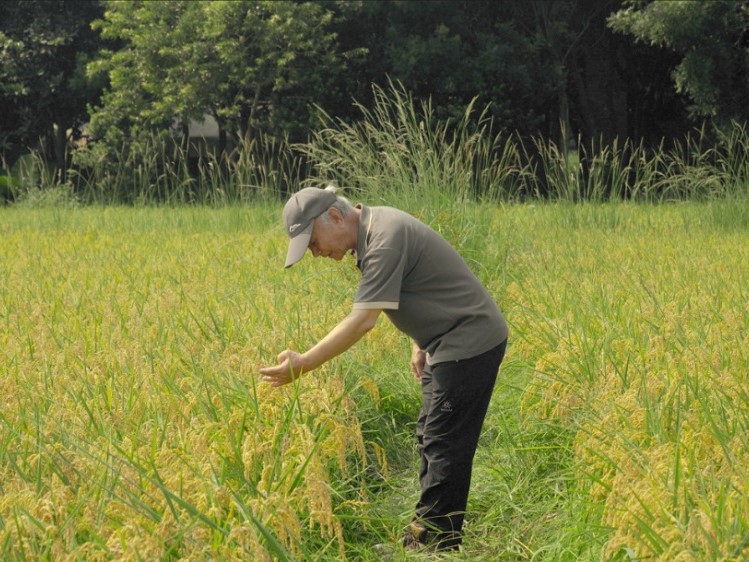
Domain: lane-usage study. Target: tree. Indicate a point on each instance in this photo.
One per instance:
(44, 48)
(451, 52)
(544, 67)
(712, 39)
(153, 75)
(252, 65)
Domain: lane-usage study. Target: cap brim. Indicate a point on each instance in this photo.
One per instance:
(298, 246)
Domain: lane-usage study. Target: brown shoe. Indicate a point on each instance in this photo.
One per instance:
(416, 537)
(419, 538)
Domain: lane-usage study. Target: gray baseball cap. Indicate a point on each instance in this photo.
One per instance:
(299, 215)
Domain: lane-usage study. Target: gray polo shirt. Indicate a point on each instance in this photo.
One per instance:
(423, 285)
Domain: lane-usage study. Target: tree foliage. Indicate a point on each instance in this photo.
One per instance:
(712, 39)
(541, 66)
(453, 52)
(251, 65)
(44, 47)
(567, 69)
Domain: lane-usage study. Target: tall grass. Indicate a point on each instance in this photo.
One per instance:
(398, 150)
(694, 168)
(157, 169)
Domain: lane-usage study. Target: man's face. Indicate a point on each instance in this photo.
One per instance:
(328, 237)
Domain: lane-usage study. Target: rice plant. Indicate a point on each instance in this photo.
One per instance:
(637, 338)
(133, 427)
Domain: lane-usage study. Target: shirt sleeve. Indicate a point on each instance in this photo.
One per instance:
(382, 277)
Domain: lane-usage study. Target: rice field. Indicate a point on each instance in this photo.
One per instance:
(133, 426)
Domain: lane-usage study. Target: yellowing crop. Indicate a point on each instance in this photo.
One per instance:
(133, 425)
(637, 330)
(131, 422)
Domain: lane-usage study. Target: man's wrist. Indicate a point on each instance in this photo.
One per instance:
(306, 363)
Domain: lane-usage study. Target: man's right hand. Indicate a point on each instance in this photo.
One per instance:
(418, 360)
(290, 366)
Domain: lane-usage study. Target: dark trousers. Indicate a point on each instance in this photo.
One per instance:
(455, 398)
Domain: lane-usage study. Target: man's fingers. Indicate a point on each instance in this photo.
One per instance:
(276, 375)
(283, 373)
(271, 376)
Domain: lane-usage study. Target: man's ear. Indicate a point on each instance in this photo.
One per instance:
(335, 215)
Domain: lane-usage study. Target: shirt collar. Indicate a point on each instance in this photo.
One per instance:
(365, 223)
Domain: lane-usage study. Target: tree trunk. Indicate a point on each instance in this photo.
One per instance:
(601, 93)
(185, 140)
(253, 109)
(60, 144)
(221, 140)
(584, 105)
(564, 107)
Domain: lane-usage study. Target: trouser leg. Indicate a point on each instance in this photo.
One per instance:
(455, 398)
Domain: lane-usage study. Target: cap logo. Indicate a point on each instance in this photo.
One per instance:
(293, 227)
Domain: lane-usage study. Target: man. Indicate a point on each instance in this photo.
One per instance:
(421, 283)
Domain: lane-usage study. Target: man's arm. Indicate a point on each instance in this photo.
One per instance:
(348, 331)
